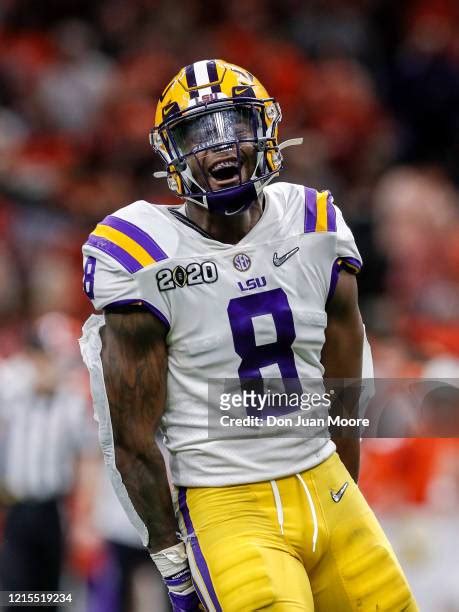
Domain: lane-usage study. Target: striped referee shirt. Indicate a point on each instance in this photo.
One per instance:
(41, 435)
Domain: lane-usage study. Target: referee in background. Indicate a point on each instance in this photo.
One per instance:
(45, 432)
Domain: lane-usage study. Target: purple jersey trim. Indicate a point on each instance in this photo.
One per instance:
(310, 212)
(199, 557)
(348, 263)
(333, 280)
(158, 314)
(136, 234)
(351, 264)
(106, 246)
(331, 214)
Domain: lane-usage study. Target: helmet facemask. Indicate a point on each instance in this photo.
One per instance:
(221, 156)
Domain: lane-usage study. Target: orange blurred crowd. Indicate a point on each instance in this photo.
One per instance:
(371, 85)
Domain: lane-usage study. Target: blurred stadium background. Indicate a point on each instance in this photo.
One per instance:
(371, 85)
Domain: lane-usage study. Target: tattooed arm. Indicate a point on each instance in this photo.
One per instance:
(134, 358)
(342, 358)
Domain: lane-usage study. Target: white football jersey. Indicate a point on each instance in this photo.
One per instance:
(255, 310)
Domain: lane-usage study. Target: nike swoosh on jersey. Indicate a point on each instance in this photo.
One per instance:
(336, 497)
(278, 261)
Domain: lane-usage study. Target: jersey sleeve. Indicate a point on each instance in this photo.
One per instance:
(108, 283)
(105, 281)
(347, 253)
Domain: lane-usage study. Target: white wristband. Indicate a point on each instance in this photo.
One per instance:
(171, 560)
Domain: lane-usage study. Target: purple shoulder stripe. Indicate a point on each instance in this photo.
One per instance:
(310, 209)
(136, 234)
(106, 246)
(331, 214)
(197, 552)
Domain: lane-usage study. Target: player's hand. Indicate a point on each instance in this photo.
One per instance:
(182, 594)
(172, 564)
(186, 601)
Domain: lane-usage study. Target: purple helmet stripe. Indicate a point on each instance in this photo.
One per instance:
(106, 246)
(199, 557)
(136, 234)
(331, 214)
(310, 212)
(213, 75)
(191, 80)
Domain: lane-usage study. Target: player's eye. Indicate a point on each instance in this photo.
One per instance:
(243, 131)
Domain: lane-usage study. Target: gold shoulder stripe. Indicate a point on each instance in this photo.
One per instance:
(128, 244)
(321, 219)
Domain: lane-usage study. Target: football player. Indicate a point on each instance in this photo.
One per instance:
(247, 279)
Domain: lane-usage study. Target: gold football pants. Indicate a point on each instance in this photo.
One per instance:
(307, 542)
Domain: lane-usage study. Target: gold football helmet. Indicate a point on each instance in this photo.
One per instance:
(214, 105)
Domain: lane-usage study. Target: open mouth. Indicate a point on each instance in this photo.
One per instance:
(224, 171)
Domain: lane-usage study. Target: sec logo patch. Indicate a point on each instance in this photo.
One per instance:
(241, 262)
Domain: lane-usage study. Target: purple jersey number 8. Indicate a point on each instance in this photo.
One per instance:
(88, 278)
(241, 312)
